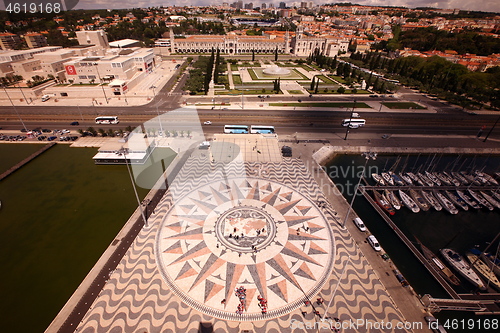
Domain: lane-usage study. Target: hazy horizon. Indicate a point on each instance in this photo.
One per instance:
(486, 5)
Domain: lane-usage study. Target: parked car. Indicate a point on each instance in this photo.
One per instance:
(45, 98)
(286, 151)
(75, 123)
(359, 223)
(374, 243)
(51, 138)
(41, 137)
(208, 122)
(65, 131)
(46, 130)
(204, 145)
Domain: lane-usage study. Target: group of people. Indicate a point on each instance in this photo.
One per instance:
(262, 304)
(241, 293)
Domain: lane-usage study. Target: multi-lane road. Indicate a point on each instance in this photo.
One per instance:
(447, 120)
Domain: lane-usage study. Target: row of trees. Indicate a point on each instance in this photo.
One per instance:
(437, 75)
(347, 72)
(203, 70)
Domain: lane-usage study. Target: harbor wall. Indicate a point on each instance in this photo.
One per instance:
(327, 153)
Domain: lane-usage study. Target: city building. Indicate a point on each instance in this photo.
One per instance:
(123, 65)
(34, 40)
(231, 44)
(98, 38)
(9, 41)
(304, 45)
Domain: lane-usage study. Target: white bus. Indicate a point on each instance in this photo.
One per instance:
(107, 120)
(353, 122)
(235, 129)
(254, 129)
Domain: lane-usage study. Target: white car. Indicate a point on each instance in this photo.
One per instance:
(359, 223)
(208, 122)
(204, 145)
(65, 131)
(45, 98)
(374, 243)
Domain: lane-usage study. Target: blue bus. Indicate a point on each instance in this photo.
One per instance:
(254, 129)
(235, 129)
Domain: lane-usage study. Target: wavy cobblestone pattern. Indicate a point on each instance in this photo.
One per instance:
(139, 296)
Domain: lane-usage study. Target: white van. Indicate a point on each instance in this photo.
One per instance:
(374, 243)
(353, 122)
(45, 98)
(359, 223)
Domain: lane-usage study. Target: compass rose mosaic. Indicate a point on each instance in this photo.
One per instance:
(231, 246)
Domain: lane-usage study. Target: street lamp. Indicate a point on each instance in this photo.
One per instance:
(100, 80)
(124, 152)
(15, 109)
(491, 130)
(157, 112)
(367, 156)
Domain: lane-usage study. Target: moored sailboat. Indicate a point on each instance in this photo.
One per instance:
(439, 266)
(490, 199)
(461, 266)
(393, 199)
(376, 177)
(483, 269)
(383, 202)
(419, 200)
(432, 200)
(457, 200)
(471, 202)
(408, 201)
(447, 204)
(479, 198)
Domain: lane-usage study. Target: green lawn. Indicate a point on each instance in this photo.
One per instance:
(237, 79)
(307, 67)
(295, 92)
(337, 78)
(325, 105)
(234, 68)
(247, 92)
(325, 79)
(403, 105)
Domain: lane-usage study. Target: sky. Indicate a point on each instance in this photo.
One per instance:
(481, 5)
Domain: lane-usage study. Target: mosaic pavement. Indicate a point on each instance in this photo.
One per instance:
(241, 224)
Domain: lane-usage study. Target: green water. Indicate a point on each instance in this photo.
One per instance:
(11, 154)
(434, 229)
(58, 215)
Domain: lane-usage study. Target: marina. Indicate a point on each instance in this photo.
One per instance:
(461, 297)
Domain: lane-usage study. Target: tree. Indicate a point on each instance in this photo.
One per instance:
(341, 90)
(253, 55)
(276, 54)
(312, 83)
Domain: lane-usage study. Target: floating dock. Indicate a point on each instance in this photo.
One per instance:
(26, 160)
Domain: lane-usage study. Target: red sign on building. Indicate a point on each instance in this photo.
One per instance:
(70, 70)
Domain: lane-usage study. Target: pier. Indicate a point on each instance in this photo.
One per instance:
(410, 245)
(481, 304)
(26, 160)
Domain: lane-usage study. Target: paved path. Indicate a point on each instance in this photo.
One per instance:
(179, 270)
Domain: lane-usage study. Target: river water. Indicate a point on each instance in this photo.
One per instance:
(59, 213)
